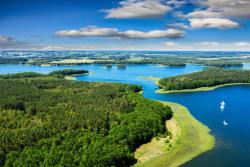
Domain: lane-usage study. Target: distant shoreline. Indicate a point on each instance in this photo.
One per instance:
(193, 139)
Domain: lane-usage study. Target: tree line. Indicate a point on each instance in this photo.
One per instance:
(58, 74)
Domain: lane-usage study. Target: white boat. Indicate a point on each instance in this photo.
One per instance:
(225, 123)
(222, 105)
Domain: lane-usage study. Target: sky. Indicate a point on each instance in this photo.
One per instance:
(168, 25)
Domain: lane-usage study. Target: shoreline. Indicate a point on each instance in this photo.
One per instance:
(73, 76)
(158, 145)
(201, 89)
(187, 144)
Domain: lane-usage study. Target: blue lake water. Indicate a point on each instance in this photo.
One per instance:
(232, 141)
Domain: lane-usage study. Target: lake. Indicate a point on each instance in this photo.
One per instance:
(232, 141)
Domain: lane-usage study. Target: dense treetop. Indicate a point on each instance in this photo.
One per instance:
(21, 75)
(223, 63)
(58, 74)
(48, 121)
(206, 78)
(66, 72)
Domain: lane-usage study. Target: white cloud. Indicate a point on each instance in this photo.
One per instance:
(173, 46)
(243, 44)
(238, 8)
(138, 9)
(181, 26)
(207, 44)
(210, 19)
(204, 14)
(115, 33)
(167, 46)
(179, 14)
(6, 39)
(7, 42)
(221, 23)
(90, 31)
(10, 43)
(177, 3)
(170, 44)
(169, 33)
(52, 48)
(181, 3)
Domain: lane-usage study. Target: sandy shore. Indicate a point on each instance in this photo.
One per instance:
(189, 138)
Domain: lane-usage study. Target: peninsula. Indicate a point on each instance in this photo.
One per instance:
(208, 79)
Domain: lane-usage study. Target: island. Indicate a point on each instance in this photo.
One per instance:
(49, 121)
(208, 79)
(121, 66)
(174, 64)
(109, 66)
(67, 72)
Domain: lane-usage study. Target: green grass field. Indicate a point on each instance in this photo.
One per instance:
(193, 140)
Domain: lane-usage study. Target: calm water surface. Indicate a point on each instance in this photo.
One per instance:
(232, 141)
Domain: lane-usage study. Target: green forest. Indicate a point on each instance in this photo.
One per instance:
(57, 74)
(50, 121)
(207, 78)
(67, 72)
(222, 63)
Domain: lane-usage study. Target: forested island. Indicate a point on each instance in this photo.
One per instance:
(49, 121)
(174, 64)
(121, 66)
(207, 78)
(68, 72)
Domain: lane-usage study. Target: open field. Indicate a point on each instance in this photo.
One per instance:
(151, 78)
(76, 61)
(72, 61)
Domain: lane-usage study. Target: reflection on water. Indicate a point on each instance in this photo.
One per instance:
(230, 126)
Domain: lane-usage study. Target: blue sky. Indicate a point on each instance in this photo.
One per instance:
(125, 24)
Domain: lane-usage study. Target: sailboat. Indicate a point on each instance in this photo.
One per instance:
(222, 105)
(225, 123)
